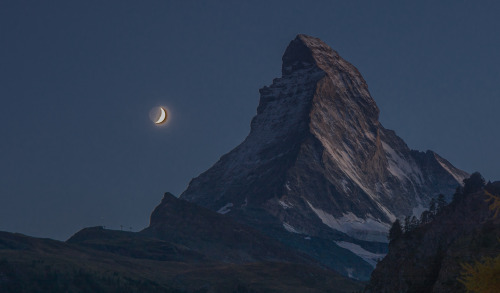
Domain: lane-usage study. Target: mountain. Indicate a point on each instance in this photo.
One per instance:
(302, 205)
(317, 163)
(316, 151)
(430, 257)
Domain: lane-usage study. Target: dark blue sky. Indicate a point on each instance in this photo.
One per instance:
(78, 79)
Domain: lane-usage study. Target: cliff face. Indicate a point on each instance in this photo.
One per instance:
(429, 258)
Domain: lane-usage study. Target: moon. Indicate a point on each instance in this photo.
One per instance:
(163, 116)
(159, 115)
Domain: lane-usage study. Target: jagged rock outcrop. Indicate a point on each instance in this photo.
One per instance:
(430, 258)
(317, 161)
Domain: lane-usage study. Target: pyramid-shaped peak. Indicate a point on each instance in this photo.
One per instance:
(315, 44)
(305, 51)
(318, 162)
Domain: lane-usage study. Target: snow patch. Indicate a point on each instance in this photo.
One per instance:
(390, 215)
(344, 160)
(285, 205)
(345, 186)
(418, 210)
(366, 255)
(225, 209)
(364, 229)
(289, 228)
(457, 177)
(402, 168)
(349, 272)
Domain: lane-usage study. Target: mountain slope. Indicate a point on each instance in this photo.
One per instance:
(429, 258)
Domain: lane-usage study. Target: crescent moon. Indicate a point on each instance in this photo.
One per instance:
(163, 116)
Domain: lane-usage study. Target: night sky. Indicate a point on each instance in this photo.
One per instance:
(79, 78)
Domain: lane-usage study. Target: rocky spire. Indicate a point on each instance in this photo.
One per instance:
(306, 51)
(317, 141)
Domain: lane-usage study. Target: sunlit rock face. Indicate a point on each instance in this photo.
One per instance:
(317, 160)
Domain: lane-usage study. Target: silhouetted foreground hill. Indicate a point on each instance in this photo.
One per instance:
(430, 258)
(232, 258)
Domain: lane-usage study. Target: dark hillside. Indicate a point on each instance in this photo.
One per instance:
(429, 258)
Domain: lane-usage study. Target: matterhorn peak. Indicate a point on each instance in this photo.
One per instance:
(306, 51)
(317, 161)
(317, 144)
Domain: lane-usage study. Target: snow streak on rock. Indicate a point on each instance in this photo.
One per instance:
(369, 257)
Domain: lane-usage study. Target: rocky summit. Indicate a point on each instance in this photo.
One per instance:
(318, 164)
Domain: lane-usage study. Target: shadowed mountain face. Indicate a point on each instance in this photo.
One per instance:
(430, 257)
(217, 236)
(317, 154)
